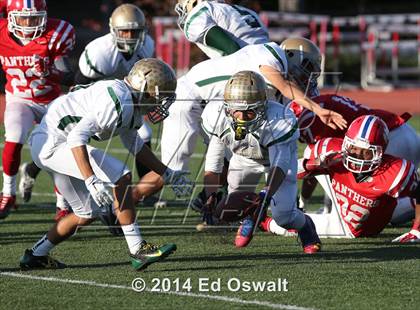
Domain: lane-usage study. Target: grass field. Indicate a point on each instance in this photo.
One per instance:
(349, 274)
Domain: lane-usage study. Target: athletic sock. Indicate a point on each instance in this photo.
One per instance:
(132, 236)
(9, 185)
(42, 247)
(32, 170)
(11, 162)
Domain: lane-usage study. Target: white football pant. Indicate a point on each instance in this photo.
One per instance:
(57, 159)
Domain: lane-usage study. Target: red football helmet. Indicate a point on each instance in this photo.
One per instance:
(364, 144)
(27, 19)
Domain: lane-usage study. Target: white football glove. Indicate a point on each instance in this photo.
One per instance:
(412, 236)
(180, 184)
(99, 192)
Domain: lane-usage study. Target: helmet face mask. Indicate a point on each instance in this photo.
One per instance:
(245, 101)
(153, 85)
(27, 22)
(182, 8)
(128, 28)
(254, 117)
(304, 62)
(364, 144)
(359, 159)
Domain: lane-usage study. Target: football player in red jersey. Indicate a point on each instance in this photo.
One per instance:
(365, 184)
(303, 68)
(33, 55)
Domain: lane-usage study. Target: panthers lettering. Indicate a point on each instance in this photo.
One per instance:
(367, 203)
(17, 60)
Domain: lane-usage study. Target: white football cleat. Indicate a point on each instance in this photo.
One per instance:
(26, 183)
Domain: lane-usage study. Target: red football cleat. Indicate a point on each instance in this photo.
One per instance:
(265, 224)
(6, 203)
(245, 233)
(309, 238)
(312, 248)
(60, 214)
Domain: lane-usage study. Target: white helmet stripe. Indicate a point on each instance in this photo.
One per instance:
(366, 127)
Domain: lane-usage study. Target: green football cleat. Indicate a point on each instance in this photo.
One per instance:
(150, 253)
(29, 261)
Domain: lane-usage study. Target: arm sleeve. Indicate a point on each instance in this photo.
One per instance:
(217, 38)
(88, 66)
(215, 155)
(197, 25)
(405, 181)
(82, 132)
(132, 141)
(274, 57)
(103, 116)
(80, 79)
(64, 42)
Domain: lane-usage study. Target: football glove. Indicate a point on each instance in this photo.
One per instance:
(100, 194)
(412, 236)
(39, 67)
(179, 183)
(330, 158)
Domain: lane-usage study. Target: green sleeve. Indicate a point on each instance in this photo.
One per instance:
(217, 38)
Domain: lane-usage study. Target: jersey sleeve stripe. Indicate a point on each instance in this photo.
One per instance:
(211, 80)
(65, 35)
(68, 119)
(407, 178)
(55, 35)
(208, 132)
(316, 155)
(276, 55)
(117, 105)
(194, 16)
(325, 146)
(400, 174)
(285, 136)
(91, 66)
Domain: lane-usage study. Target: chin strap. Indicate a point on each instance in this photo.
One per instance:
(240, 132)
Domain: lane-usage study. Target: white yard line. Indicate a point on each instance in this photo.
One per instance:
(183, 294)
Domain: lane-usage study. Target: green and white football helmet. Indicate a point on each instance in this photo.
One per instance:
(245, 91)
(153, 84)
